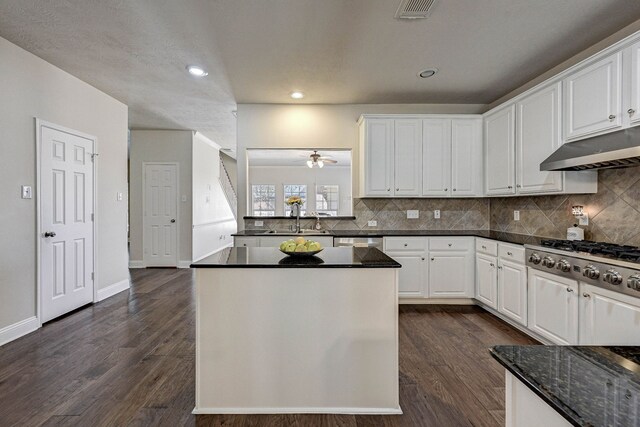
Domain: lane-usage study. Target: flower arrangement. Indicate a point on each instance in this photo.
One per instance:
(294, 200)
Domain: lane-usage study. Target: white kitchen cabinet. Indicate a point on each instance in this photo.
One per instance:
(466, 157)
(512, 290)
(412, 276)
(553, 307)
(436, 157)
(407, 158)
(593, 98)
(451, 268)
(632, 111)
(538, 135)
(247, 242)
(607, 317)
(487, 280)
(376, 151)
(499, 152)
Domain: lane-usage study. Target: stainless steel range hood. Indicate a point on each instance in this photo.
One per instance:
(614, 150)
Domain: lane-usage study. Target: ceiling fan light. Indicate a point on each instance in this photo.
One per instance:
(309, 163)
(320, 163)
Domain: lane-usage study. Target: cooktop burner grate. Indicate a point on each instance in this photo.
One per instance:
(625, 252)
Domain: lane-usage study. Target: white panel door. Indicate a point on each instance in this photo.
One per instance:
(378, 173)
(412, 276)
(512, 290)
(160, 208)
(499, 152)
(553, 307)
(487, 280)
(608, 318)
(451, 275)
(408, 157)
(66, 197)
(633, 109)
(592, 98)
(436, 157)
(466, 157)
(538, 136)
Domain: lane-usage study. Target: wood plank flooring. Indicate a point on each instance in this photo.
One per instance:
(129, 361)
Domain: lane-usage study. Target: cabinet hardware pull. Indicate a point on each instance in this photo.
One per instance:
(492, 264)
(586, 295)
(569, 289)
(518, 186)
(612, 116)
(509, 187)
(397, 189)
(499, 267)
(510, 253)
(423, 259)
(631, 111)
(446, 189)
(454, 189)
(484, 247)
(405, 245)
(433, 259)
(388, 189)
(450, 244)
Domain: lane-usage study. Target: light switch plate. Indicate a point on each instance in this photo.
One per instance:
(26, 192)
(413, 214)
(258, 224)
(372, 223)
(516, 215)
(436, 214)
(119, 196)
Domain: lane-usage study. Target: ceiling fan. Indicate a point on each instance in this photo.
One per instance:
(316, 160)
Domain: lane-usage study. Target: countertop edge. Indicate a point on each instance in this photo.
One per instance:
(320, 266)
(564, 411)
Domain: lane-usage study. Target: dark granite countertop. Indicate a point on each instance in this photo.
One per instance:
(519, 239)
(588, 386)
(346, 257)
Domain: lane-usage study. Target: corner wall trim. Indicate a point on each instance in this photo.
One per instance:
(111, 290)
(136, 264)
(184, 264)
(18, 329)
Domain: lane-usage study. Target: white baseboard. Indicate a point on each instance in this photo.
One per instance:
(346, 411)
(136, 264)
(437, 301)
(184, 264)
(18, 329)
(111, 290)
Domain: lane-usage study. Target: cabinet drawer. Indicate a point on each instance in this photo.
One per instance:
(489, 247)
(451, 243)
(405, 243)
(514, 253)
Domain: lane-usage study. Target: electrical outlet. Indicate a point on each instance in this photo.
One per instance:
(26, 192)
(413, 214)
(516, 215)
(119, 196)
(373, 223)
(436, 214)
(583, 219)
(258, 224)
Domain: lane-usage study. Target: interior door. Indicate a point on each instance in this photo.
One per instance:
(408, 157)
(466, 157)
(160, 208)
(436, 157)
(66, 217)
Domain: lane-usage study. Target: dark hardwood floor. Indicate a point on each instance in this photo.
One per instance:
(129, 360)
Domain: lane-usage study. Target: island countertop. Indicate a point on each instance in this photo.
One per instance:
(588, 386)
(343, 257)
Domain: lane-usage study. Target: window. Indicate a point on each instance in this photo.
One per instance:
(263, 199)
(295, 190)
(327, 198)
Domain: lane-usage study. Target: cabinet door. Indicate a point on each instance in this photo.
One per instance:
(487, 280)
(512, 290)
(592, 98)
(553, 307)
(412, 275)
(537, 137)
(436, 157)
(408, 158)
(451, 275)
(466, 157)
(499, 151)
(633, 109)
(608, 318)
(378, 154)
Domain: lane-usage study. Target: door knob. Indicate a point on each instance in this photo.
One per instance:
(173, 220)
(49, 234)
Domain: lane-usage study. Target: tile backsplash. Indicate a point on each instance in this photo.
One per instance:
(614, 212)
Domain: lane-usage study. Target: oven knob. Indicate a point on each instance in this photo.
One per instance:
(591, 272)
(612, 276)
(633, 282)
(563, 265)
(534, 259)
(548, 262)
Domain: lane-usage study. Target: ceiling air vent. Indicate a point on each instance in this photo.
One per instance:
(414, 9)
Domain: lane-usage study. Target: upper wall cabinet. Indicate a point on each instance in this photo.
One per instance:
(452, 153)
(633, 107)
(593, 98)
(499, 142)
(390, 153)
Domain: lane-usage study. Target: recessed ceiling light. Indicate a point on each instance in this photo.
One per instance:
(194, 70)
(297, 95)
(429, 72)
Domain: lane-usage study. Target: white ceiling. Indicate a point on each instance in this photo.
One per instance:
(336, 51)
(296, 157)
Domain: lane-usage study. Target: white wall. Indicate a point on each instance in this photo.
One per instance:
(213, 220)
(313, 126)
(281, 175)
(160, 146)
(29, 88)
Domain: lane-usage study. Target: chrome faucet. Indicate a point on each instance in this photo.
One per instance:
(297, 208)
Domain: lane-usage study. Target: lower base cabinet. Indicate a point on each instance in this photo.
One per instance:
(512, 290)
(413, 274)
(487, 280)
(451, 274)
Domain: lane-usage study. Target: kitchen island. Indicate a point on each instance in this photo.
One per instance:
(280, 334)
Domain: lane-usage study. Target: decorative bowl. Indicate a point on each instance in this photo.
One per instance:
(301, 254)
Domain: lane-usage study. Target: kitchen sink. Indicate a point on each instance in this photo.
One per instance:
(287, 232)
